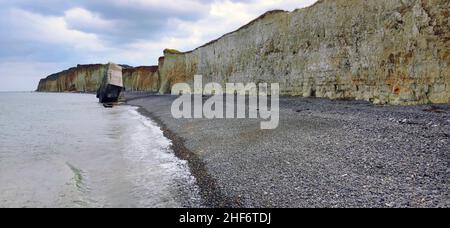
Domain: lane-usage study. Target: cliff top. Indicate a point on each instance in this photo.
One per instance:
(171, 51)
(263, 16)
(55, 76)
(143, 68)
(272, 12)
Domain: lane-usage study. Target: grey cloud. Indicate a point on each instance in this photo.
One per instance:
(131, 22)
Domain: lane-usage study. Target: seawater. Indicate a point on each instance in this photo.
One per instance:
(66, 150)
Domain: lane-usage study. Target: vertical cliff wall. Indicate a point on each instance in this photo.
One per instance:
(384, 51)
(144, 78)
(83, 78)
(176, 67)
(88, 78)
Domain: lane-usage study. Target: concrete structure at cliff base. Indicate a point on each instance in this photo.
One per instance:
(112, 84)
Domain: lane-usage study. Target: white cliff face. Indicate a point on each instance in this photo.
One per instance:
(82, 78)
(384, 51)
(88, 78)
(144, 78)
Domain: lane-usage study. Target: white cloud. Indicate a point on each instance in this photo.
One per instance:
(226, 16)
(145, 52)
(189, 6)
(289, 5)
(81, 18)
(52, 30)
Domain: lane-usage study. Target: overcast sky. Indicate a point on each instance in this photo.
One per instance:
(39, 37)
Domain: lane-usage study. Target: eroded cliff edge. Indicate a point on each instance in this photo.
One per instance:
(384, 51)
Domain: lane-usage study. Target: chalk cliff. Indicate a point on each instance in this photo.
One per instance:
(383, 51)
(82, 78)
(88, 78)
(144, 78)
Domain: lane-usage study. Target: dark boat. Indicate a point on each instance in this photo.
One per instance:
(112, 84)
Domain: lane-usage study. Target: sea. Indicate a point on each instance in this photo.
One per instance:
(67, 150)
